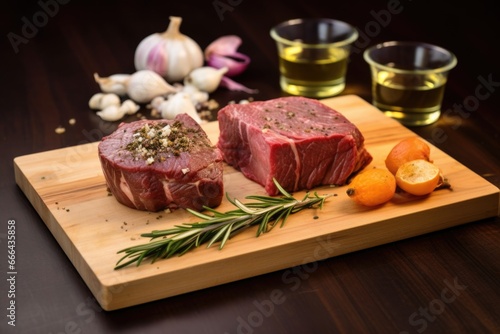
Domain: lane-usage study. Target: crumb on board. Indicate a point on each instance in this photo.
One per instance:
(60, 130)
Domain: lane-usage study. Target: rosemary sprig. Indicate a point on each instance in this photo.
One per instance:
(266, 212)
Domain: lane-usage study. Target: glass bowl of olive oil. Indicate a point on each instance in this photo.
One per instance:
(409, 79)
(313, 55)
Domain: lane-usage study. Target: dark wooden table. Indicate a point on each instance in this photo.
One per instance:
(443, 282)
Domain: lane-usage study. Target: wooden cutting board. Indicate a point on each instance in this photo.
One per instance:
(67, 188)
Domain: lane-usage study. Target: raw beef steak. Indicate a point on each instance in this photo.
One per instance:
(153, 165)
(299, 141)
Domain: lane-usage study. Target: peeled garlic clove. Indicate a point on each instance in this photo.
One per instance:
(129, 107)
(101, 100)
(116, 83)
(155, 103)
(196, 95)
(95, 101)
(205, 78)
(109, 99)
(178, 103)
(111, 113)
(167, 110)
(145, 85)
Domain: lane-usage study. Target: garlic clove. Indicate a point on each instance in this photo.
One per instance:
(196, 95)
(145, 85)
(101, 100)
(111, 113)
(129, 107)
(206, 78)
(177, 104)
(95, 101)
(167, 110)
(109, 99)
(116, 83)
(155, 103)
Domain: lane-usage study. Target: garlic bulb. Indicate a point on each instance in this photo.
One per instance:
(170, 54)
(145, 85)
(178, 103)
(205, 78)
(116, 83)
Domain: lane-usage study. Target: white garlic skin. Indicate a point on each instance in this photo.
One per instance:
(116, 83)
(205, 78)
(145, 85)
(170, 54)
(176, 104)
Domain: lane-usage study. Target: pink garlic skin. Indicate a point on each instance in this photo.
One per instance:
(157, 60)
(154, 53)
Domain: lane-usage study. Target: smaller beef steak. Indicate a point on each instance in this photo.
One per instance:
(300, 142)
(154, 165)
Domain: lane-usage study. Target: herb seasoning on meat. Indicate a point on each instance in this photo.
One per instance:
(150, 141)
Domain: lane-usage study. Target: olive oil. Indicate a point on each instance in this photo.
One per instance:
(313, 72)
(411, 99)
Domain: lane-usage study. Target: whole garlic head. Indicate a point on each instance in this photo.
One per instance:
(170, 54)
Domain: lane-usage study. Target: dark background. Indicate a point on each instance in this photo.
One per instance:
(49, 80)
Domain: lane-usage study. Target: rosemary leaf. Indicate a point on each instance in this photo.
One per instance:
(216, 226)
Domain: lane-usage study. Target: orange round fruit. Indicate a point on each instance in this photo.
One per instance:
(418, 177)
(372, 187)
(407, 150)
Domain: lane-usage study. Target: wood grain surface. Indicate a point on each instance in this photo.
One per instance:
(67, 189)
